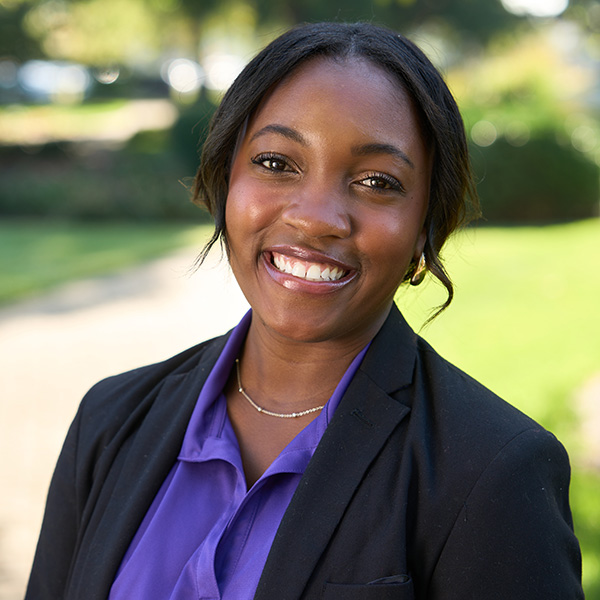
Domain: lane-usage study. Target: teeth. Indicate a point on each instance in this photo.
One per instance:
(299, 270)
(311, 272)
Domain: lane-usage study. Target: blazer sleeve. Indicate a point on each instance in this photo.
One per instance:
(58, 537)
(514, 536)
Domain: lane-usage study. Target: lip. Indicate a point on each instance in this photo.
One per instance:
(299, 284)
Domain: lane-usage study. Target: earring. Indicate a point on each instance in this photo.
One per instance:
(419, 273)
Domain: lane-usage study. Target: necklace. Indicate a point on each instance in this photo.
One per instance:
(260, 409)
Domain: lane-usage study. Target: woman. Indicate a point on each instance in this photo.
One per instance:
(320, 449)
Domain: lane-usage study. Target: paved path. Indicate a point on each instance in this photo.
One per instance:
(53, 349)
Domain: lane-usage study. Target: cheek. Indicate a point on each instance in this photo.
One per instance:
(232, 212)
(247, 209)
(236, 200)
(390, 247)
(240, 210)
(389, 242)
(249, 216)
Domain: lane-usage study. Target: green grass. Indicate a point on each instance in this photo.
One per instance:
(525, 323)
(585, 497)
(36, 256)
(525, 317)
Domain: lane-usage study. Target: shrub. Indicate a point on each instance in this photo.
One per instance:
(146, 179)
(539, 182)
(123, 185)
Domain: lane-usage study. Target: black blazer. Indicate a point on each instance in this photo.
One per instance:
(424, 485)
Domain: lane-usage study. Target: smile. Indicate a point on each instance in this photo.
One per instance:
(303, 269)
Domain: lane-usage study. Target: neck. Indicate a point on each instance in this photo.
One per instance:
(289, 376)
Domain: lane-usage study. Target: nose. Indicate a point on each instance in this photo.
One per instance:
(319, 211)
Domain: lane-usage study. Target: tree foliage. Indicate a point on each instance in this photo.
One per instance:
(472, 19)
(106, 31)
(14, 39)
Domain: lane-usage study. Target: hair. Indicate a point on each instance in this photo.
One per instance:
(453, 199)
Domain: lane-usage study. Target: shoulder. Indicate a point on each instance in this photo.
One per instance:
(148, 376)
(123, 400)
(456, 427)
(464, 408)
(474, 440)
(441, 397)
(497, 489)
(492, 486)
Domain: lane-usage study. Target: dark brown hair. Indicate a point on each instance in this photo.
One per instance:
(453, 200)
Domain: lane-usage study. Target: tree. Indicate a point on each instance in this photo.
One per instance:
(14, 41)
(98, 32)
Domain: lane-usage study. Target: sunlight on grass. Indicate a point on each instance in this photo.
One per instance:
(525, 323)
(524, 319)
(36, 256)
(113, 120)
(585, 494)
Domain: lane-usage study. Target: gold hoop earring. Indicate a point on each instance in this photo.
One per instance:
(419, 273)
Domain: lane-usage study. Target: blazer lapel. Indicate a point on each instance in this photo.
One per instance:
(362, 424)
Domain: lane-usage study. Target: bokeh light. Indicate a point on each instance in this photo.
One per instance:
(222, 69)
(107, 75)
(484, 133)
(517, 133)
(536, 8)
(183, 75)
(584, 139)
(54, 81)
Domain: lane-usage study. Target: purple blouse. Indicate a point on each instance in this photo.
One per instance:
(206, 536)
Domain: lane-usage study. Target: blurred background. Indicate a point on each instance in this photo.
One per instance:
(103, 108)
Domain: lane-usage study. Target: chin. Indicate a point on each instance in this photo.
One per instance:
(290, 325)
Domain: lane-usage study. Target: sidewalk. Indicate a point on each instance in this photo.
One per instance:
(54, 348)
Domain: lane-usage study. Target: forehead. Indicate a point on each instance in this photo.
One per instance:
(359, 89)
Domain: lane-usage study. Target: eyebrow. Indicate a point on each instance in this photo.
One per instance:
(377, 148)
(287, 132)
(363, 150)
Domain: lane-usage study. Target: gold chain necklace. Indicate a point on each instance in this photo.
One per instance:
(260, 409)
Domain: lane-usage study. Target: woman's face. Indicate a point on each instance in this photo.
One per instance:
(327, 199)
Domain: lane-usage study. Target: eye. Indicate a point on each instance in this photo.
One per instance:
(381, 182)
(272, 162)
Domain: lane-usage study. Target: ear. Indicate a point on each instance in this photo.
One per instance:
(420, 245)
